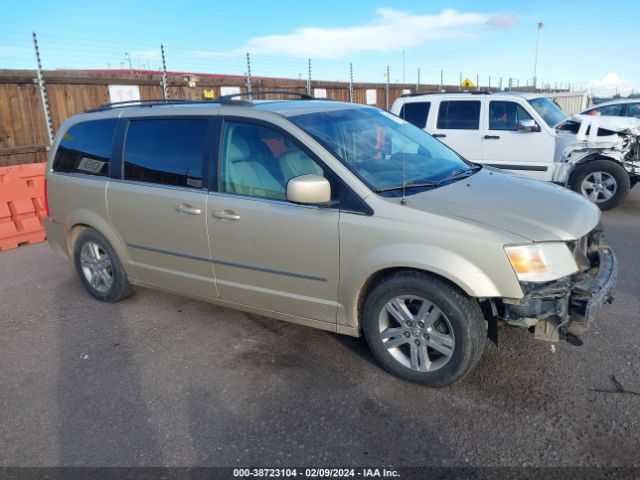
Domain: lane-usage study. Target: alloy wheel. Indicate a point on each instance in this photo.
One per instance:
(96, 266)
(599, 186)
(416, 333)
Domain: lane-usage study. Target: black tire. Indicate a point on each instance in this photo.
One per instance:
(463, 315)
(119, 287)
(609, 168)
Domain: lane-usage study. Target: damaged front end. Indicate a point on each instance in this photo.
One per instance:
(583, 138)
(564, 308)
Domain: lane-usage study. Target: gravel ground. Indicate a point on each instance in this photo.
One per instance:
(162, 380)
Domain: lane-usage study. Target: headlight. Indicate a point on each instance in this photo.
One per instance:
(541, 262)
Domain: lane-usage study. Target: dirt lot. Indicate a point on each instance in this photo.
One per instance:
(161, 380)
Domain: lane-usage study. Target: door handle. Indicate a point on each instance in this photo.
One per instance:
(492, 137)
(225, 215)
(187, 210)
(439, 135)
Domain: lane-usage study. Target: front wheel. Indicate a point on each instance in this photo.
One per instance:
(604, 182)
(423, 329)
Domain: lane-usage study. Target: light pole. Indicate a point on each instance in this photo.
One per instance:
(535, 61)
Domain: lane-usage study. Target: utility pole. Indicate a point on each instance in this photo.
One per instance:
(460, 83)
(43, 91)
(535, 60)
(309, 79)
(127, 57)
(386, 90)
(165, 83)
(441, 80)
(351, 82)
(418, 82)
(248, 82)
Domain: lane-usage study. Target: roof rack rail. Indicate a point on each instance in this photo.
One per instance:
(142, 103)
(229, 98)
(472, 92)
(223, 99)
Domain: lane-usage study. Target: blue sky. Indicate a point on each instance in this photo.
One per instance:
(582, 43)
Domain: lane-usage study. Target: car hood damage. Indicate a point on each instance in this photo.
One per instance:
(538, 212)
(583, 137)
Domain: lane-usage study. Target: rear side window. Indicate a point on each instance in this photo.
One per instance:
(166, 151)
(86, 148)
(416, 113)
(459, 115)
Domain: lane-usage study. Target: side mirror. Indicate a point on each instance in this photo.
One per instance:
(527, 125)
(309, 190)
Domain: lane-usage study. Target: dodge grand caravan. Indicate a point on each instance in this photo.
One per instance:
(332, 215)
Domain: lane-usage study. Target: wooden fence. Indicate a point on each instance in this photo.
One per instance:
(23, 131)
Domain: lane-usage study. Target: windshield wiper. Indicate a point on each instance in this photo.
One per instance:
(457, 173)
(407, 185)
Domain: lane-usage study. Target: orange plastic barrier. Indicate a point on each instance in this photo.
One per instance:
(22, 208)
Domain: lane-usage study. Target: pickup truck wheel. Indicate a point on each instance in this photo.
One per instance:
(603, 182)
(99, 269)
(423, 329)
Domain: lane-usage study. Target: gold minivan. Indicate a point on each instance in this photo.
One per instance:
(332, 215)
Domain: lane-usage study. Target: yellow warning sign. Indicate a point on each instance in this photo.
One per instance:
(208, 94)
(466, 83)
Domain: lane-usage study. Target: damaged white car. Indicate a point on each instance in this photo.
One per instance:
(598, 157)
(528, 134)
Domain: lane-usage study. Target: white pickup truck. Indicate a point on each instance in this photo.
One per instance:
(529, 134)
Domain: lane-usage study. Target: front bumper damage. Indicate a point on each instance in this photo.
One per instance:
(564, 309)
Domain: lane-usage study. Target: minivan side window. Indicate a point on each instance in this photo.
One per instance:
(459, 115)
(258, 161)
(415, 113)
(506, 115)
(86, 148)
(166, 151)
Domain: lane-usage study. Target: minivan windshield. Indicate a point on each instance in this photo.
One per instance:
(385, 151)
(549, 111)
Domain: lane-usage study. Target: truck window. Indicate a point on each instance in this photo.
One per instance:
(459, 115)
(86, 148)
(506, 115)
(166, 151)
(415, 113)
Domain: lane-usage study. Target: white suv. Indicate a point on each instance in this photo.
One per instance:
(529, 134)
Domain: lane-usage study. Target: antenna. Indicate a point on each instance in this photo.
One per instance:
(403, 201)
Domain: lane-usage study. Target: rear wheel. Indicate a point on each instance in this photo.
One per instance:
(604, 182)
(423, 329)
(99, 268)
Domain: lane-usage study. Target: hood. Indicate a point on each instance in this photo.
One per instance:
(535, 210)
(611, 123)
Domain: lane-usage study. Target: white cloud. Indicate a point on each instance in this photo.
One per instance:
(611, 84)
(390, 30)
(151, 54)
(502, 20)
